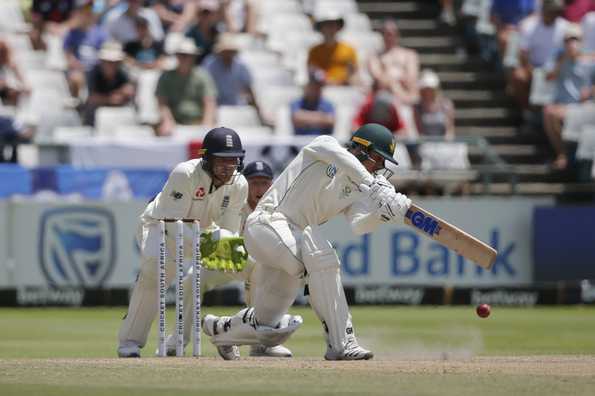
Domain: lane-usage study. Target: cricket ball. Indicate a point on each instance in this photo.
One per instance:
(483, 310)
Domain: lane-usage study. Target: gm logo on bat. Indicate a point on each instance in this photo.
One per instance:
(427, 224)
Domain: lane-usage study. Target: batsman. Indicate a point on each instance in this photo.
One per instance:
(283, 237)
(212, 190)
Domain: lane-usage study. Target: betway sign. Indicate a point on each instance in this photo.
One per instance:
(399, 254)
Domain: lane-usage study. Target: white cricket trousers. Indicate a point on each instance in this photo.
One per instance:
(275, 244)
(144, 302)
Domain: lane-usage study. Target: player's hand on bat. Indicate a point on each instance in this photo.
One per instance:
(394, 208)
(379, 191)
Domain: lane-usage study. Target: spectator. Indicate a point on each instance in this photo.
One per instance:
(575, 10)
(121, 23)
(10, 71)
(81, 44)
(588, 28)
(144, 52)
(434, 114)
(541, 38)
(206, 28)
(380, 107)
(572, 85)
(187, 94)
(447, 14)
(50, 15)
(312, 114)
(396, 67)
(12, 134)
(230, 74)
(506, 16)
(337, 59)
(241, 15)
(109, 84)
(173, 13)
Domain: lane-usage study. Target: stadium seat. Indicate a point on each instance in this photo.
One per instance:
(511, 57)
(542, 90)
(56, 59)
(343, 7)
(11, 17)
(273, 7)
(343, 95)
(64, 134)
(406, 114)
(283, 124)
(265, 77)
(364, 42)
(237, 116)
(146, 101)
(133, 131)
(358, 22)
(108, 119)
(344, 114)
(586, 144)
(274, 97)
(258, 59)
(577, 117)
(444, 156)
(190, 132)
(48, 81)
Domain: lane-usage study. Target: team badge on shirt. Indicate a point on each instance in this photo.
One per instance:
(176, 195)
(331, 170)
(199, 193)
(345, 192)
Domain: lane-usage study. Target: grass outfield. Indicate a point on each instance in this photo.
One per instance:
(419, 351)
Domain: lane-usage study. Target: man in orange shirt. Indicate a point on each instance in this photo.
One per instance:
(337, 59)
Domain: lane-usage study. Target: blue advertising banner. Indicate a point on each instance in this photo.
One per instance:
(14, 179)
(96, 183)
(564, 245)
(402, 255)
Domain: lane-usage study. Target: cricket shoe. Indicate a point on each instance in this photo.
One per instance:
(229, 352)
(352, 351)
(129, 349)
(210, 325)
(278, 351)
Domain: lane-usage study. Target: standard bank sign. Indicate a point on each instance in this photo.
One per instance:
(77, 246)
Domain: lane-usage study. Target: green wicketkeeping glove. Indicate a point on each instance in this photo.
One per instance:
(222, 253)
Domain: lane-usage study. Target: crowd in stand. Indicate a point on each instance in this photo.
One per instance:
(204, 52)
(107, 43)
(547, 50)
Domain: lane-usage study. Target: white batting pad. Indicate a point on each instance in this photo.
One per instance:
(327, 297)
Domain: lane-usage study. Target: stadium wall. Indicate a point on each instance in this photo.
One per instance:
(85, 253)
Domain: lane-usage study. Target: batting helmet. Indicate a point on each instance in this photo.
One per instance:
(222, 142)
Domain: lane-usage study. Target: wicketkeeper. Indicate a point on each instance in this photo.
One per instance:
(283, 237)
(212, 190)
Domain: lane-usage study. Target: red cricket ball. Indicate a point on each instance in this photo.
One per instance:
(483, 310)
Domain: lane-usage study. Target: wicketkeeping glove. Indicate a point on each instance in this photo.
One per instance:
(222, 253)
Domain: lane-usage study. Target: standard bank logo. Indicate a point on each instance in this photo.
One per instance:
(77, 246)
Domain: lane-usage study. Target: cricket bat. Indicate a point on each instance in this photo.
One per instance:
(450, 236)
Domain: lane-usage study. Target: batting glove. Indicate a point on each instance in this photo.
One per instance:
(379, 191)
(394, 208)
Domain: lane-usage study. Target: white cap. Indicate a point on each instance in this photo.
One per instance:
(186, 46)
(111, 51)
(429, 79)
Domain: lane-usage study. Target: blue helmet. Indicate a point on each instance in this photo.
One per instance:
(222, 142)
